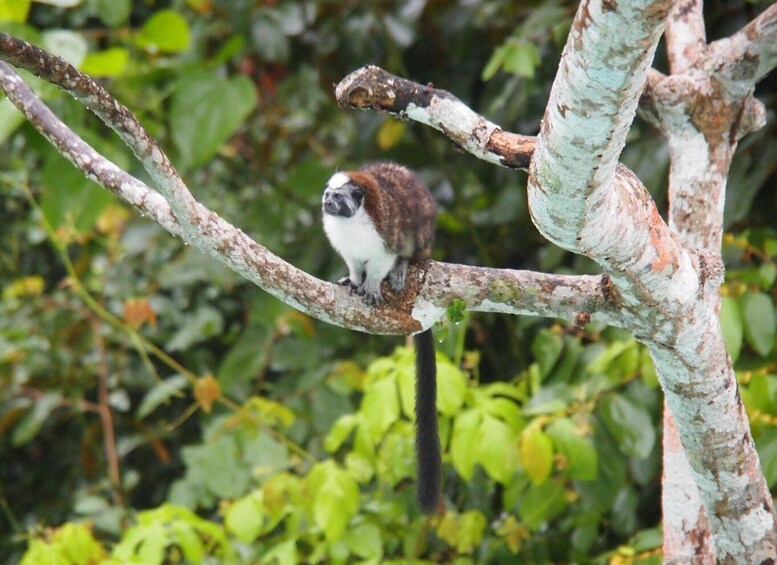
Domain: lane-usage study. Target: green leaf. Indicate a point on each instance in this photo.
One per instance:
(39, 552)
(759, 321)
(365, 540)
(14, 11)
(767, 274)
(78, 545)
(206, 111)
(270, 43)
(217, 463)
(507, 411)
(10, 119)
(203, 323)
(263, 455)
(465, 435)
(395, 452)
(108, 63)
(604, 361)
(761, 394)
(647, 369)
(645, 540)
(496, 449)
(308, 179)
(546, 348)
(536, 452)
(335, 498)
(245, 359)
(455, 312)
(113, 12)
(577, 449)
(548, 400)
(69, 45)
(283, 553)
(70, 198)
(541, 503)
(403, 369)
(522, 59)
(339, 432)
(472, 526)
(568, 366)
(630, 425)
(766, 445)
(166, 31)
(731, 326)
(380, 407)
(451, 387)
(161, 393)
(33, 420)
(246, 517)
(188, 539)
(624, 511)
(495, 62)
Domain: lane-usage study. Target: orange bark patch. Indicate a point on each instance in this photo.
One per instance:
(659, 242)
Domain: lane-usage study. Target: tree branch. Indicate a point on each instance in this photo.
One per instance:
(742, 60)
(686, 529)
(703, 109)
(485, 290)
(686, 36)
(373, 88)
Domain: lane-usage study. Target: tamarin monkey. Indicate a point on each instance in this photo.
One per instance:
(378, 219)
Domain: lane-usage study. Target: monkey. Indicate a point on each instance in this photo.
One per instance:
(379, 219)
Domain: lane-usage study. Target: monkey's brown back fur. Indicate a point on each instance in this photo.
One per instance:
(400, 206)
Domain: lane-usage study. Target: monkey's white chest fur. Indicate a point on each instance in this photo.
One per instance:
(358, 242)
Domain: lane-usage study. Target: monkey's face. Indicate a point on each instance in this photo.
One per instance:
(341, 196)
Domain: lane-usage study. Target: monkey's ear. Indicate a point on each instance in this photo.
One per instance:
(358, 194)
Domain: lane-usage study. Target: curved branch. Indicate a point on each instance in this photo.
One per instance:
(686, 36)
(118, 117)
(742, 60)
(485, 290)
(373, 88)
(575, 298)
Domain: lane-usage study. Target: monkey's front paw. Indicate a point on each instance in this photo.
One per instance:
(346, 281)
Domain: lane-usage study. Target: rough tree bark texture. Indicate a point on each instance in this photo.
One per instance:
(660, 281)
(703, 112)
(668, 278)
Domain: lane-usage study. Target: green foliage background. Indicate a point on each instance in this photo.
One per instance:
(154, 407)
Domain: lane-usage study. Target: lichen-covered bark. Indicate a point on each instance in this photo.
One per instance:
(703, 108)
(668, 278)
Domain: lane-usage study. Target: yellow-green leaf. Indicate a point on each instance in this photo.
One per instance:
(108, 63)
(14, 11)
(536, 452)
(166, 31)
(731, 326)
(390, 133)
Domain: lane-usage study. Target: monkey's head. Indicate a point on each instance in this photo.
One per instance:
(342, 197)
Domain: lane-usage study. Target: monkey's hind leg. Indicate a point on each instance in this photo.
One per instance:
(370, 291)
(398, 274)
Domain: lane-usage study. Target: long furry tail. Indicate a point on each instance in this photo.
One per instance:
(427, 439)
